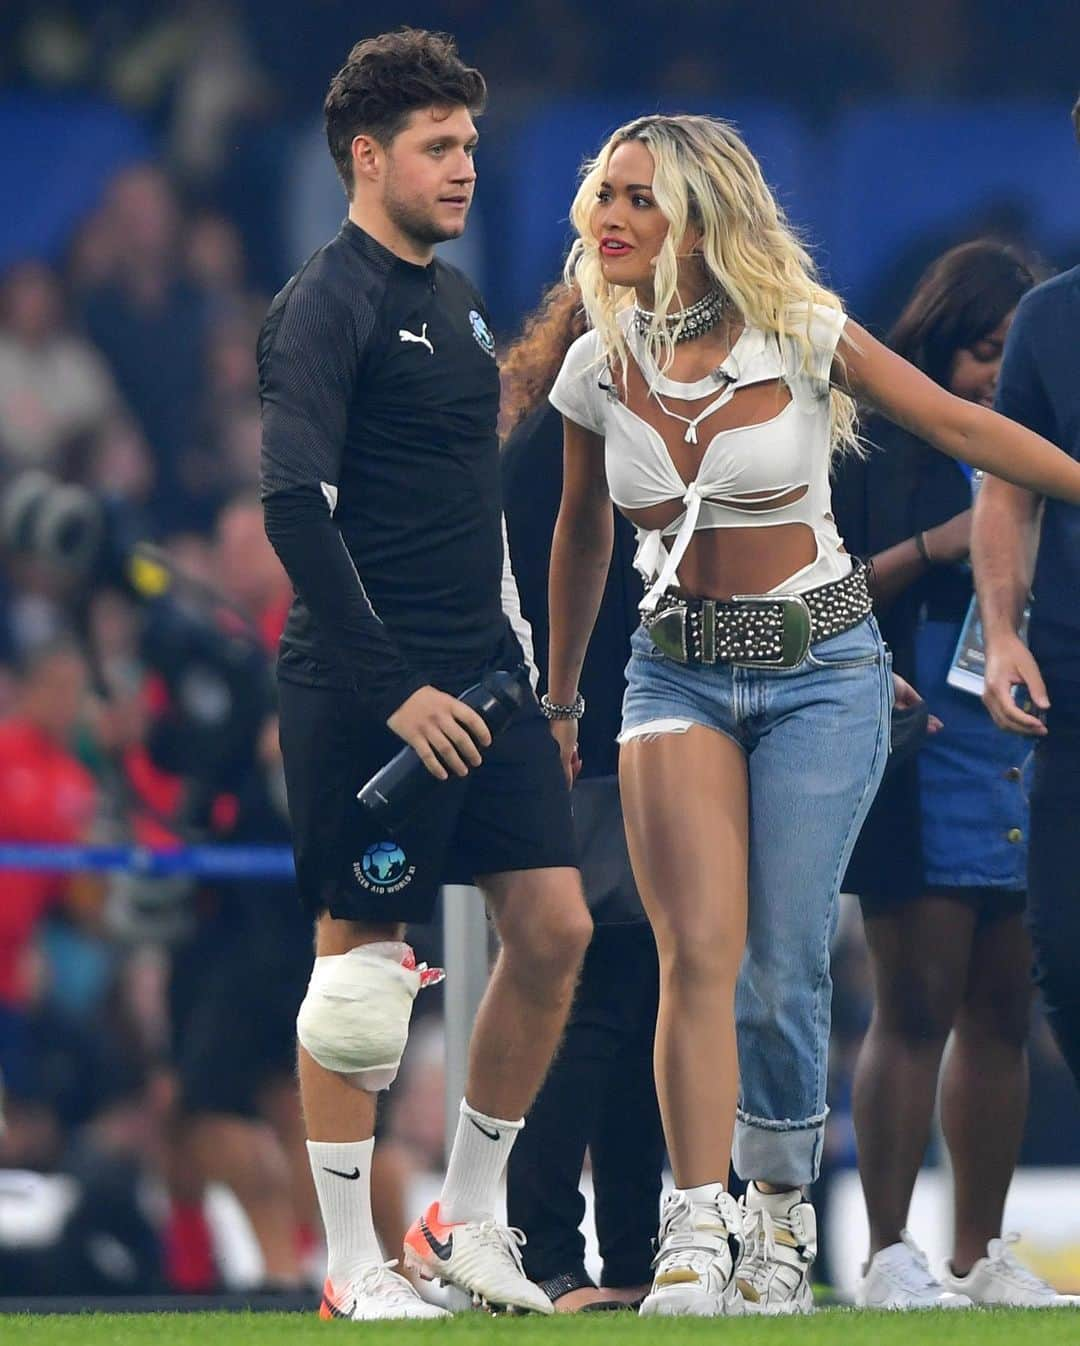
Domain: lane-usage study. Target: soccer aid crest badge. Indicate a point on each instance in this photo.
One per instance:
(384, 868)
(482, 332)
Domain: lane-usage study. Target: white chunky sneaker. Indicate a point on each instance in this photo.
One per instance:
(781, 1244)
(376, 1292)
(481, 1257)
(899, 1277)
(700, 1253)
(998, 1278)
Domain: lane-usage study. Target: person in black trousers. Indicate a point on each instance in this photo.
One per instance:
(600, 1093)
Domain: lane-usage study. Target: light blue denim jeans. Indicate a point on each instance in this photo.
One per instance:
(816, 739)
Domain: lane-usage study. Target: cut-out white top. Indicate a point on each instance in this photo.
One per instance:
(754, 464)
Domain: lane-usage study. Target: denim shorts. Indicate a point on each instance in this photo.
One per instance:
(732, 699)
(816, 738)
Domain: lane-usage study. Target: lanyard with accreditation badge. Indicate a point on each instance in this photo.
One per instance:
(968, 666)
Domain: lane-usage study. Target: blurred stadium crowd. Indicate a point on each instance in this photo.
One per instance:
(127, 368)
(148, 56)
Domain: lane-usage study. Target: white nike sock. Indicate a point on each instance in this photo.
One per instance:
(482, 1146)
(342, 1175)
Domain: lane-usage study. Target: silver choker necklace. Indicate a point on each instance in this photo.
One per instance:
(696, 320)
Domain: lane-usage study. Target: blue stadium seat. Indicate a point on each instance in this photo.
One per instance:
(59, 152)
(898, 171)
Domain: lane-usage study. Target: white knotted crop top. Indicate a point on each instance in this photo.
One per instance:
(757, 463)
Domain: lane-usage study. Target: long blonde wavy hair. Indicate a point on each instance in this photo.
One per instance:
(704, 176)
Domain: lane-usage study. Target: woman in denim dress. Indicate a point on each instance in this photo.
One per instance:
(940, 867)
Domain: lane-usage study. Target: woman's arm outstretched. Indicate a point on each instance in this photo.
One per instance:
(964, 430)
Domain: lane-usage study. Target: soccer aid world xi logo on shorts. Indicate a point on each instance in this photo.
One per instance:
(384, 868)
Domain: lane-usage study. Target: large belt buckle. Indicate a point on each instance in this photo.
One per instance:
(797, 629)
(667, 631)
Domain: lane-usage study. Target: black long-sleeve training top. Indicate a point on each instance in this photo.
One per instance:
(380, 472)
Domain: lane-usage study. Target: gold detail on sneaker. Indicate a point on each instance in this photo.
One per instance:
(747, 1291)
(781, 1235)
(677, 1276)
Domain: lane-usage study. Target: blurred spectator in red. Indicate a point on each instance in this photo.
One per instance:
(53, 384)
(238, 1116)
(46, 796)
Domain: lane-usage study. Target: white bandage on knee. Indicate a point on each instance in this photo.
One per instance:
(355, 1016)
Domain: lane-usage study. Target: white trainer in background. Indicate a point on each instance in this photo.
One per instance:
(899, 1277)
(781, 1244)
(700, 1252)
(375, 1293)
(998, 1278)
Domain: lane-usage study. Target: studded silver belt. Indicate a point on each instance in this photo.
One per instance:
(757, 630)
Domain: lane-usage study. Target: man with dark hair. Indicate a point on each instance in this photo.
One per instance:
(1038, 387)
(381, 496)
(384, 81)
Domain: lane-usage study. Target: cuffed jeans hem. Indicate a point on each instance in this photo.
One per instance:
(786, 1153)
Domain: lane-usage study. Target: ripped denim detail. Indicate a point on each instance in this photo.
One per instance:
(654, 728)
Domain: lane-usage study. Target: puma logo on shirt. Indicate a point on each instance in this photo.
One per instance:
(421, 340)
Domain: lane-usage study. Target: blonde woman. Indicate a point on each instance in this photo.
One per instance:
(706, 401)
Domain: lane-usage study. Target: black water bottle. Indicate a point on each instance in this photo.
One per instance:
(397, 789)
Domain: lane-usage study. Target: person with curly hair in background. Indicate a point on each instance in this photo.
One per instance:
(599, 1093)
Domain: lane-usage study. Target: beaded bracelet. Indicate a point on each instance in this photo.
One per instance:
(554, 711)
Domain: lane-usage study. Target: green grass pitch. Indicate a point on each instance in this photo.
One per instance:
(838, 1327)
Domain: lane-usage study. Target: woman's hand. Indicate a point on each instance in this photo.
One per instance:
(963, 430)
(566, 736)
(905, 696)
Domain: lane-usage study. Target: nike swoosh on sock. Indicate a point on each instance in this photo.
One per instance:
(492, 1134)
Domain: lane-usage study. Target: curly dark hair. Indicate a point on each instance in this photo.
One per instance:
(388, 77)
(533, 361)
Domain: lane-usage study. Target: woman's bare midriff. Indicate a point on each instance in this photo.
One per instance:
(720, 562)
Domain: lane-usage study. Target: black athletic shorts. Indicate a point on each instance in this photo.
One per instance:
(512, 812)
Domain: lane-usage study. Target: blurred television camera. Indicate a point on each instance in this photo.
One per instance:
(206, 651)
